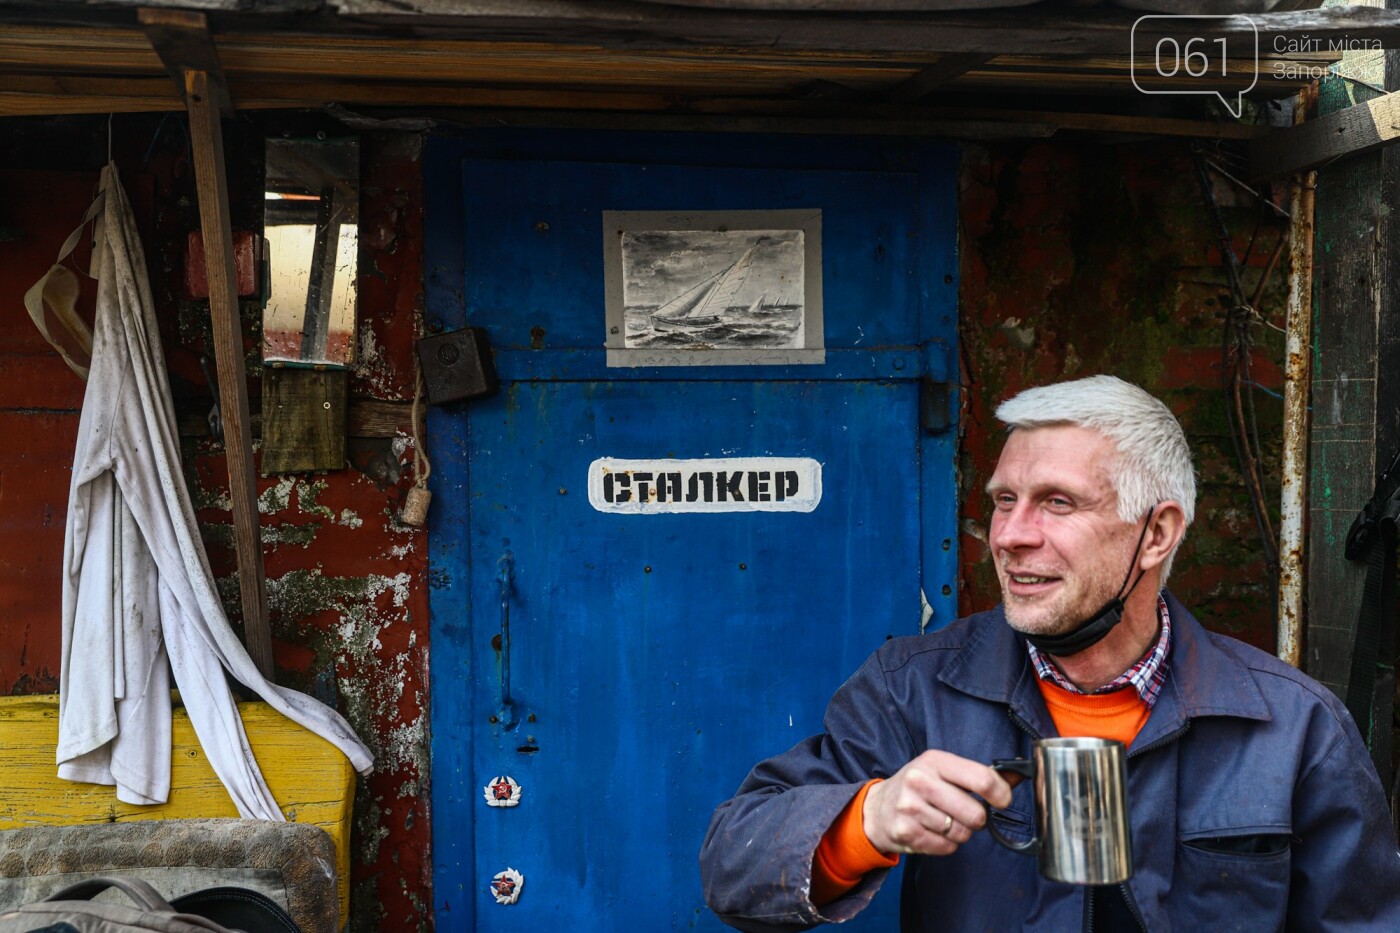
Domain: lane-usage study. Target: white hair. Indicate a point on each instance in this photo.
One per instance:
(1153, 462)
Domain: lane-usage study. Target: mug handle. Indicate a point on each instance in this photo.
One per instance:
(1026, 768)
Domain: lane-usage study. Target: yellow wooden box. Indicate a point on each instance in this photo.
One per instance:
(311, 779)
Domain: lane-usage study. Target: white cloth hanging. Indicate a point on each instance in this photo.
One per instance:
(137, 589)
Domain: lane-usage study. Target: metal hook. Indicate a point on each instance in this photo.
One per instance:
(215, 418)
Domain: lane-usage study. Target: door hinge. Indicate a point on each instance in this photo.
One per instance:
(936, 401)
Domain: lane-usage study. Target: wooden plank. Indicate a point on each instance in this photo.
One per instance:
(625, 26)
(206, 136)
(90, 49)
(304, 423)
(309, 777)
(116, 51)
(614, 24)
(36, 94)
(785, 117)
(309, 68)
(790, 116)
(27, 95)
(372, 417)
(718, 123)
(1354, 417)
(1359, 128)
(446, 61)
(367, 417)
(29, 105)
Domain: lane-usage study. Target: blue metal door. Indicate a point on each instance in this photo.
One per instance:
(615, 673)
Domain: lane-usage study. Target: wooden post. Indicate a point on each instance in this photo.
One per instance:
(181, 39)
(206, 137)
(1355, 383)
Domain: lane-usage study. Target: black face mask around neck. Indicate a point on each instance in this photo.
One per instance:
(1093, 629)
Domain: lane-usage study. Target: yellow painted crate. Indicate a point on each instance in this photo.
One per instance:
(311, 779)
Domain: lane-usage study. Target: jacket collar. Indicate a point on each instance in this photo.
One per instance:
(1203, 678)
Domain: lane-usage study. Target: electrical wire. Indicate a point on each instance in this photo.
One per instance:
(422, 468)
(1236, 380)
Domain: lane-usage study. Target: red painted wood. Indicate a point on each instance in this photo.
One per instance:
(34, 477)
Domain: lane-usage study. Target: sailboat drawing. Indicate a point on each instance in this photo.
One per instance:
(703, 304)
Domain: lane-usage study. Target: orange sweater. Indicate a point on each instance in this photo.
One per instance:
(845, 854)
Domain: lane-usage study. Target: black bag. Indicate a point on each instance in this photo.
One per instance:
(238, 909)
(72, 910)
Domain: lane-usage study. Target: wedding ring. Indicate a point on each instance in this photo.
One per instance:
(947, 826)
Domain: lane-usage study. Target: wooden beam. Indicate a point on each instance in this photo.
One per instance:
(185, 47)
(1111, 122)
(32, 94)
(1359, 128)
(955, 123)
(933, 77)
(206, 137)
(619, 24)
(646, 27)
(734, 123)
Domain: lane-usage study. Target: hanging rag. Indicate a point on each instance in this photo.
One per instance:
(53, 301)
(139, 601)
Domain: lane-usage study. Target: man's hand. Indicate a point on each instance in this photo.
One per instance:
(910, 811)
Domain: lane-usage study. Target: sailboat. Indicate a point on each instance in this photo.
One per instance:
(703, 304)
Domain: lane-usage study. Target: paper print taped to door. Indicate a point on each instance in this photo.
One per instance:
(727, 484)
(715, 287)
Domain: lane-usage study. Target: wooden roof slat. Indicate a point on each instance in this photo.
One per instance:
(113, 51)
(1050, 31)
(457, 69)
(1046, 29)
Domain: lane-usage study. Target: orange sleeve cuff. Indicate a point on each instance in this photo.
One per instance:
(845, 854)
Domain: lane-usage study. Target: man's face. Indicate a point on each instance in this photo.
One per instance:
(1061, 550)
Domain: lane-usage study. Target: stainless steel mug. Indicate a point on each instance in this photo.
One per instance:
(1081, 810)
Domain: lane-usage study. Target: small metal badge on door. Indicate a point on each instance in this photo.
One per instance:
(506, 886)
(502, 792)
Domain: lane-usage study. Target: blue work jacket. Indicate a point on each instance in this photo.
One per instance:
(1254, 803)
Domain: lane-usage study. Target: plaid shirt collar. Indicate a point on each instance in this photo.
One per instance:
(1146, 676)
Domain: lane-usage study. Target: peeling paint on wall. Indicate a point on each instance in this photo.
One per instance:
(348, 584)
(1082, 259)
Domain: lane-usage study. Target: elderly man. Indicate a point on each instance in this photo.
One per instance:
(1254, 804)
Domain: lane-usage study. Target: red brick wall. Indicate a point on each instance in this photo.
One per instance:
(1085, 258)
